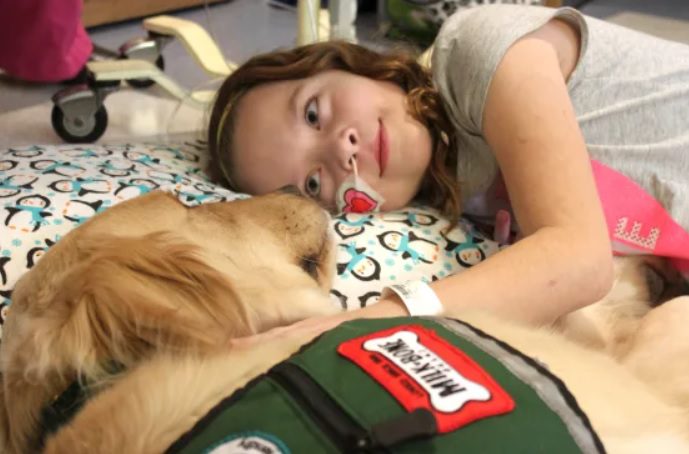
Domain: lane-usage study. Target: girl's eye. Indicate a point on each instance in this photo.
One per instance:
(311, 113)
(313, 184)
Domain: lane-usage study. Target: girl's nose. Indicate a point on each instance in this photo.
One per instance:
(348, 144)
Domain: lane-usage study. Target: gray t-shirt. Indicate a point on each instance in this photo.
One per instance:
(630, 92)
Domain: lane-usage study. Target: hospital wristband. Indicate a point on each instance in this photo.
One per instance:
(418, 297)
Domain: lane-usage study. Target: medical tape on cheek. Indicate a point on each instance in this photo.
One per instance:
(356, 196)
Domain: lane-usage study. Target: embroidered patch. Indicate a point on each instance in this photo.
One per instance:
(422, 370)
(634, 236)
(250, 443)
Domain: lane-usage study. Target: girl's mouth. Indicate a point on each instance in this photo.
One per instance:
(383, 151)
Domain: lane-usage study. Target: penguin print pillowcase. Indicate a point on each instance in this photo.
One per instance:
(375, 250)
(45, 191)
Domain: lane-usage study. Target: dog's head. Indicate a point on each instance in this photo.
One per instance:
(276, 250)
(178, 277)
(641, 283)
(650, 279)
(152, 274)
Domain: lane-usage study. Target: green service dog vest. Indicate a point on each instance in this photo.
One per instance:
(405, 385)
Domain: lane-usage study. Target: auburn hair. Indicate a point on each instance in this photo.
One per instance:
(439, 187)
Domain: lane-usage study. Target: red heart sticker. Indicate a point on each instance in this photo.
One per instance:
(358, 202)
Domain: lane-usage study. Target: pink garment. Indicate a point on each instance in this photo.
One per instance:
(637, 223)
(43, 40)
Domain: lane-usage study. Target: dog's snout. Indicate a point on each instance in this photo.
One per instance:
(290, 189)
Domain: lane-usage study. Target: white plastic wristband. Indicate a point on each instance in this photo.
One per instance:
(417, 296)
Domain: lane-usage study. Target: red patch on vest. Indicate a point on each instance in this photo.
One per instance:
(422, 370)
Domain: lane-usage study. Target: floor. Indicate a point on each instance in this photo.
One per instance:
(243, 28)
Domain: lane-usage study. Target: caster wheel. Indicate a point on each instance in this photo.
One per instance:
(145, 83)
(81, 129)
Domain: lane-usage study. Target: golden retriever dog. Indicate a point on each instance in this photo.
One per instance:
(627, 413)
(159, 290)
(150, 276)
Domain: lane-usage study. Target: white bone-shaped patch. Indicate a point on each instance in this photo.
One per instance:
(449, 390)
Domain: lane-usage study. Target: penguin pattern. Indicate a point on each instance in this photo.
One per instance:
(411, 218)
(57, 167)
(5, 291)
(85, 152)
(368, 298)
(198, 194)
(359, 265)
(7, 165)
(467, 246)
(3, 273)
(340, 298)
(4, 310)
(28, 214)
(117, 168)
(179, 153)
(45, 191)
(82, 186)
(348, 225)
(144, 159)
(35, 253)
(32, 151)
(134, 187)
(15, 184)
(468, 253)
(168, 177)
(410, 246)
(78, 211)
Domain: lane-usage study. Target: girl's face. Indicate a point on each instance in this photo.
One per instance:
(304, 132)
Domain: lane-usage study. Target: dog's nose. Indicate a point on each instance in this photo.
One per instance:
(290, 189)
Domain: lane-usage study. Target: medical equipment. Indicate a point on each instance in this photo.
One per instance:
(79, 113)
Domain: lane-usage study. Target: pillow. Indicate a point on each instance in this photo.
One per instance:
(376, 250)
(45, 191)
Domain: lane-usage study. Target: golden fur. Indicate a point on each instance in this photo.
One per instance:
(629, 415)
(123, 287)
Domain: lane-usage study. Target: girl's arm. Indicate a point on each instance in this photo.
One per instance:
(564, 261)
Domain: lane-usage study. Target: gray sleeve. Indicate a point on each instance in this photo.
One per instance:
(472, 43)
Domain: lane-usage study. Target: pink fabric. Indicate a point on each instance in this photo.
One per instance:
(42, 40)
(637, 223)
(502, 233)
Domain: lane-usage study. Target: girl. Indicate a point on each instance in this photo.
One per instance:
(580, 128)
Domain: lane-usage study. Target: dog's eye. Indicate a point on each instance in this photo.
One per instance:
(310, 265)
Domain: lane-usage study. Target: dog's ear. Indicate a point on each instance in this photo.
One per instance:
(136, 295)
